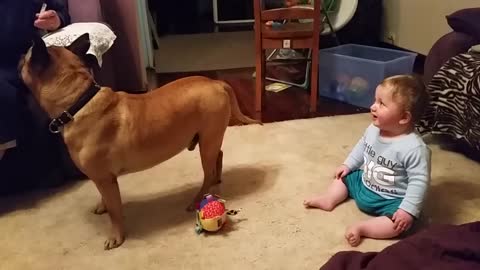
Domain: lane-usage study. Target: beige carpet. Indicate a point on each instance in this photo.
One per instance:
(267, 172)
(202, 52)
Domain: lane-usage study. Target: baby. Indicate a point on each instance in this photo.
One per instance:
(395, 176)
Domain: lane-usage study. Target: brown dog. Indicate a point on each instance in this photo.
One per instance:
(116, 133)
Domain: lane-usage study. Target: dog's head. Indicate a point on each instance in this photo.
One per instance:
(57, 76)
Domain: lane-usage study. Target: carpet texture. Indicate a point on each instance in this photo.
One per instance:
(268, 171)
(189, 53)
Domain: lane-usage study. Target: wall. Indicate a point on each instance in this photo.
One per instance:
(144, 21)
(417, 24)
(121, 15)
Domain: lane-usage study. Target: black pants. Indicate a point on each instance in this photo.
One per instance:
(8, 103)
(40, 159)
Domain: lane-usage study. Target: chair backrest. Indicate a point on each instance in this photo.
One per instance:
(297, 12)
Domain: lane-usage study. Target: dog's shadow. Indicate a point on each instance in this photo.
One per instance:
(152, 215)
(34, 198)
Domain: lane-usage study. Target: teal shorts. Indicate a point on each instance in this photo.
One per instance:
(367, 200)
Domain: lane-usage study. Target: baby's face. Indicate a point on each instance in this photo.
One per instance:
(387, 112)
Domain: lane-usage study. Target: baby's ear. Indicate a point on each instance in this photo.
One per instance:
(407, 118)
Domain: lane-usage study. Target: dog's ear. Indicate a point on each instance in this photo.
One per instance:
(92, 62)
(80, 46)
(39, 55)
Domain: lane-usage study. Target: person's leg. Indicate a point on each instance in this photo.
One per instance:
(34, 160)
(38, 149)
(377, 228)
(336, 193)
(8, 120)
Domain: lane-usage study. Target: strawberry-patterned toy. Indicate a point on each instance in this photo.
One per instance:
(211, 214)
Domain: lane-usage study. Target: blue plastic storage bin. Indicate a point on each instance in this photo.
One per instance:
(351, 72)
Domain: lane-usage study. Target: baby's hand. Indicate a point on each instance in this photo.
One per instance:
(402, 220)
(341, 172)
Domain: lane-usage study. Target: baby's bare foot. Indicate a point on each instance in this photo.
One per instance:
(353, 235)
(321, 202)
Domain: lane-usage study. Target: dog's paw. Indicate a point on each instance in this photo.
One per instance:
(113, 242)
(99, 209)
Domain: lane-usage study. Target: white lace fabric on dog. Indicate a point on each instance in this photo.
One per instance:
(101, 37)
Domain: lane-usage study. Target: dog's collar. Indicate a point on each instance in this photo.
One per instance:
(56, 124)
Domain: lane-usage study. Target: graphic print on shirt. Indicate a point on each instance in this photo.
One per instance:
(379, 173)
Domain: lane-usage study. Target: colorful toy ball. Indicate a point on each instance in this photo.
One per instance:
(211, 214)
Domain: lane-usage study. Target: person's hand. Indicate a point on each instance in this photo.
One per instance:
(341, 172)
(48, 20)
(402, 220)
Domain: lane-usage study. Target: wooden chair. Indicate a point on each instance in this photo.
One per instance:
(292, 35)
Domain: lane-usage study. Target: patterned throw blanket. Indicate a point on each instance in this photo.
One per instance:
(455, 100)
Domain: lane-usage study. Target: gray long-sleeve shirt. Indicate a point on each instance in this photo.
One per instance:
(393, 168)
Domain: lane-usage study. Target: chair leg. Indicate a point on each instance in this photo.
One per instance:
(314, 81)
(259, 81)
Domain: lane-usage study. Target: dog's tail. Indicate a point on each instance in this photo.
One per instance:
(236, 112)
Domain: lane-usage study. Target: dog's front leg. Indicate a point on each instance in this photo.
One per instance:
(110, 192)
(100, 208)
(212, 166)
(218, 172)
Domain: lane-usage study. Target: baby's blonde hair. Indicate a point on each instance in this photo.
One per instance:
(410, 91)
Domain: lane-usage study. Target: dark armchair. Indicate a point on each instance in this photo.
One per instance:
(465, 24)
